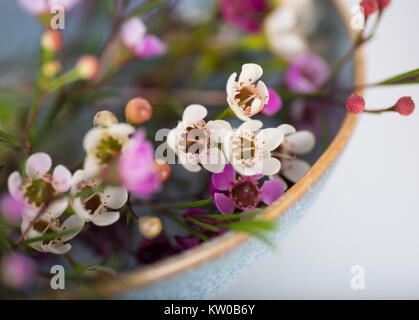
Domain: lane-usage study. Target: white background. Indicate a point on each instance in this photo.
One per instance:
(368, 212)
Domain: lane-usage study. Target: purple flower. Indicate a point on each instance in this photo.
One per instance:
(17, 270)
(243, 193)
(152, 250)
(136, 166)
(11, 209)
(37, 7)
(247, 14)
(134, 36)
(306, 73)
(274, 104)
(186, 243)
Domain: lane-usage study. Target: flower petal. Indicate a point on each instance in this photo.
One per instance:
(236, 109)
(271, 137)
(92, 138)
(272, 190)
(56, 208)
(213, 160)
(13, 184)
(61, 179)
(121, 129)
(273, 105)
(223, 203)
(218, 129)
(263, 91)
(287, 129)
(191, 167)
(270, 166)
(251, 72)
(133, 32)
(301, 142)
(80, 210)
(222, 181)
(193, 113)
(57, 249)
(250, 126)
(231, 84)
(294, 170)
(106, 218)
(115, 197)
(38, 165)
(72, 223)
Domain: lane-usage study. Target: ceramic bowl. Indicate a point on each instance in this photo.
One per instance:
(203, 271)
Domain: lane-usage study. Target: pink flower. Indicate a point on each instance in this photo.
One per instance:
(17, 270)
(274, 104)
(134, 36)
(136, 166)
(246, 14)
(306, 74)
(11, 209)
(37, 7)
(243, 193)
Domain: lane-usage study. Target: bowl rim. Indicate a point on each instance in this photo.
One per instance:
(222, 245)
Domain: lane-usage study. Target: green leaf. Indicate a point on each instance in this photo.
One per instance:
(195, 204)
(227, 113)
(50, 236)
(188, 228)
(145, 9)
(10, 140)
(87, 192)
(257, 228)
(224, 217)
(2, 164)
(203, 225)
(410, 77)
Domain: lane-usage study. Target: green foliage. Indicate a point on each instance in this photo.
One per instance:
(410, 77)
(195, 204)
(10, 140)
(50, 236)
(145, 8)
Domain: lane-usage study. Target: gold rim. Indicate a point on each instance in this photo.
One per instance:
(204, 253)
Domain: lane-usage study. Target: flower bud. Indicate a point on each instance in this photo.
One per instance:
(369, 6)
(405, 106)
(51, 68)
(138, 111)
(163, 169)
(104, 118)
(51, 40)
(150, 227)
(383, 4)
(355, 103)
(88, 67)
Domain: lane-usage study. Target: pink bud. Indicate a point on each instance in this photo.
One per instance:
(405, 106)
(88, 67)
(355, 103)
(369, 6)
(11, 209)
(383, 4)
(52, 40)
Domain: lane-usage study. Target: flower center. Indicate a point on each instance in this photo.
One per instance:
(40, 192)
(245, 97)
(108, 149)
(245, 194)
(93, 203)
(194, 138)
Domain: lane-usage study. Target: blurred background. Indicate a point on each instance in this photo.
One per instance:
(368, 212)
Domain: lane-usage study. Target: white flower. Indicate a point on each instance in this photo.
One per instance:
(245, 97)
(195, 141)
(288, 25)
(100, 207)
(49, 223)
(295, 143)
(103, 145)
(40, 186)
(249, 151)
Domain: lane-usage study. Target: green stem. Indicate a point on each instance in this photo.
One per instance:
(200, 203)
